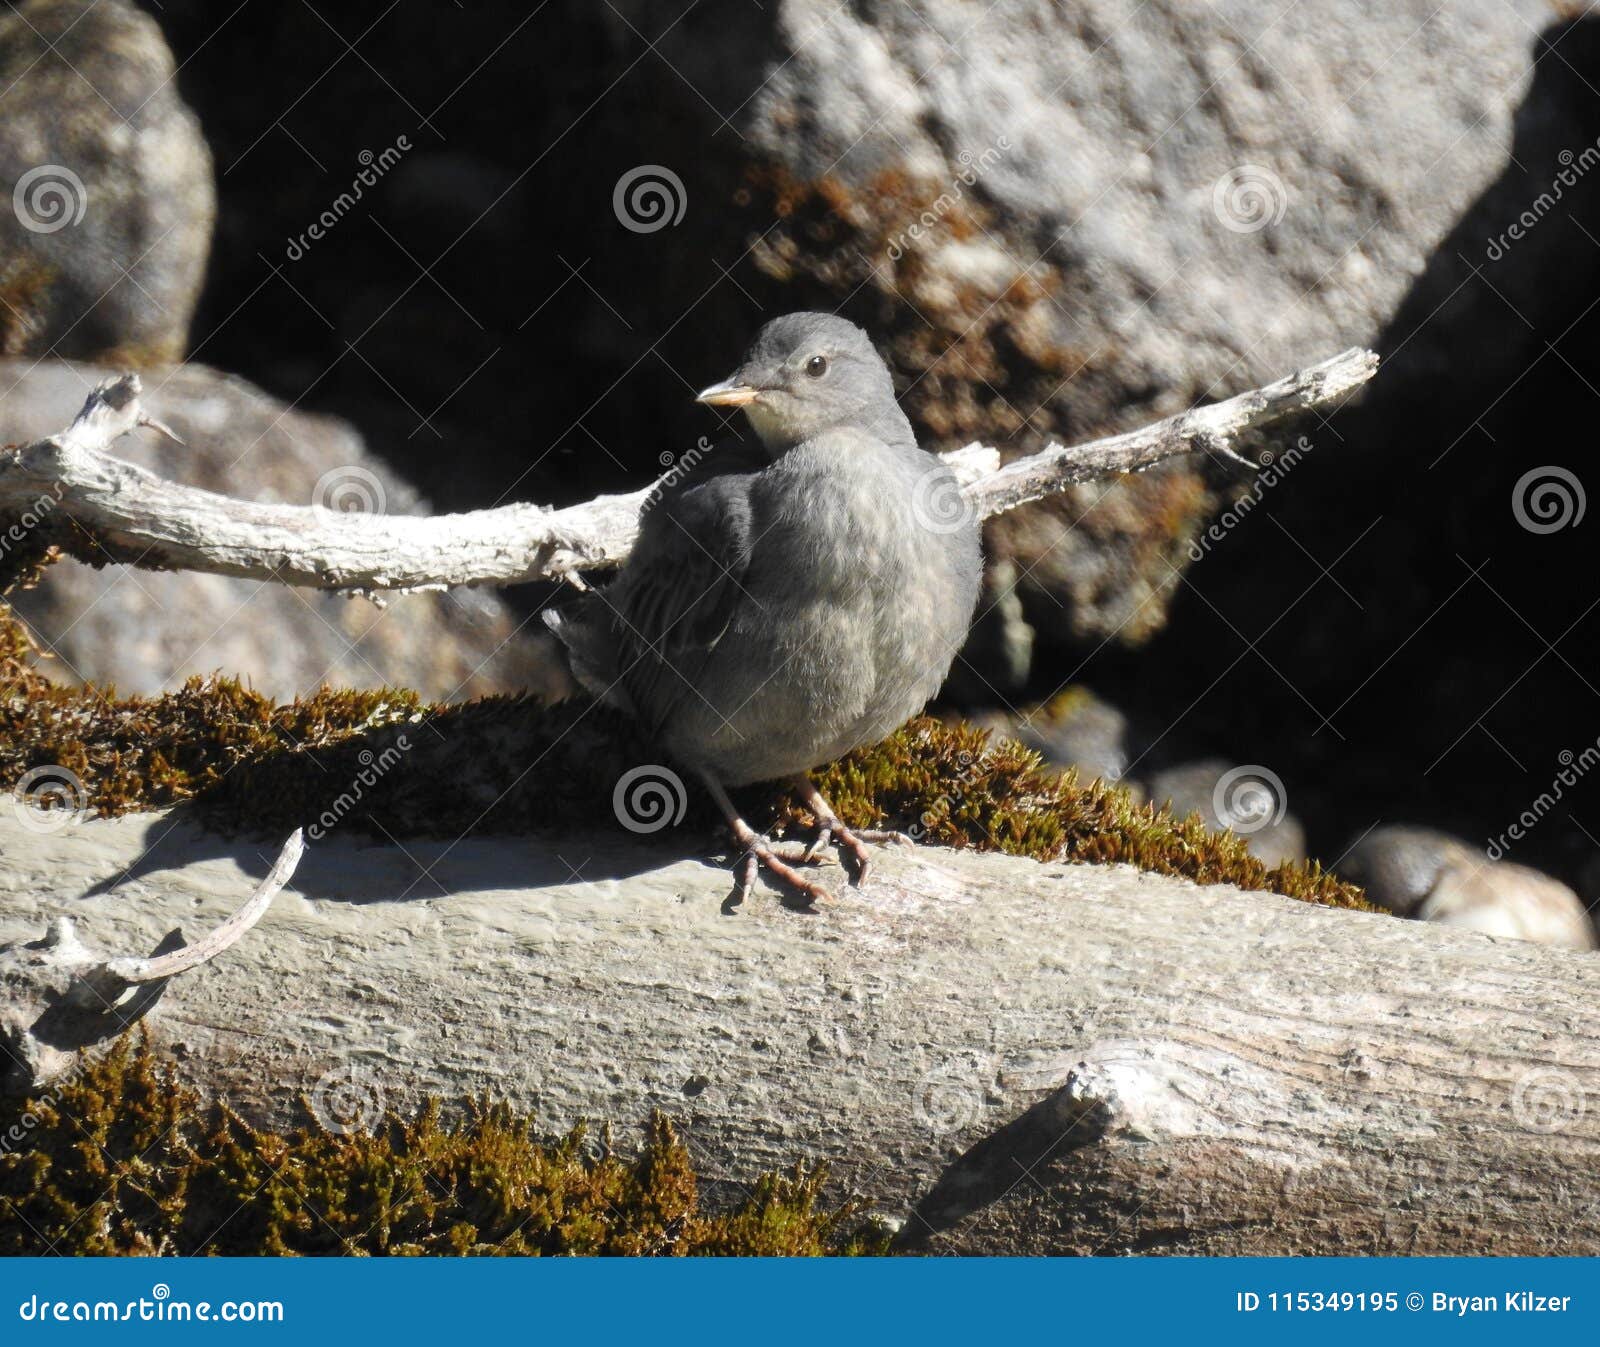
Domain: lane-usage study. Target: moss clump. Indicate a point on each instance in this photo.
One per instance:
(959, 786)
(122, 1159)
(388, 764)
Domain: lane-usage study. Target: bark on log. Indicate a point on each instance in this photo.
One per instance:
(1008, 1056)
(128, 514)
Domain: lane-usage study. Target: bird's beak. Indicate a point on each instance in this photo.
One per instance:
(728, 393)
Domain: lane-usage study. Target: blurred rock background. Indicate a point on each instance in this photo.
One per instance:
(150, 630)
(1059, 220)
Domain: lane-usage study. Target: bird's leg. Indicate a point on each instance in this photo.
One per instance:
(830, 829)
(758, 852)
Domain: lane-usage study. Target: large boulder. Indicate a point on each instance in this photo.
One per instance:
(1247, 799)
(149, 631)
(1075, 218)
(107, 184)
(1058, 219)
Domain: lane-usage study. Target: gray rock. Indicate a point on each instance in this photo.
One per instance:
(1248, 800)
(1076, 729)
(1193, 170)
(1073, 218)
(1499, 898)
(1397, 866)
(1432, 876)
(108, 194)
(149, 631)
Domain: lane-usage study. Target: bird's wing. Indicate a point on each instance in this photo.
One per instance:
(682, 585)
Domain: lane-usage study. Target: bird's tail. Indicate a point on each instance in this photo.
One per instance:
(580, 648)
(549, 676)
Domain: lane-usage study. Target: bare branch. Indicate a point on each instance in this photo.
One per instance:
(125, 513)
(1208, 429)
(57, 995)
(135, 971)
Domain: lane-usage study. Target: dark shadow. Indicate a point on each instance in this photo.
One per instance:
(355, 868)
(506, 198)
(1381, 630)
(993, 1167)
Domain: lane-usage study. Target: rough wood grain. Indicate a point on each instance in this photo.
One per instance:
(104, 510)
(1005, 1056)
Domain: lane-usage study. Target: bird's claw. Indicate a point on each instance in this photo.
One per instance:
(854, 843)
(820, 844)
(758, 853)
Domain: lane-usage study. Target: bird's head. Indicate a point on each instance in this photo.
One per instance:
(807, 373)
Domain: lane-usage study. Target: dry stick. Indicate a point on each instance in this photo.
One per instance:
(82, 988)
(132, 972)
(131, 515)
(1212, 429)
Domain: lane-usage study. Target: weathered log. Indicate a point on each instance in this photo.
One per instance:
(128, 514)
(1002, 1054)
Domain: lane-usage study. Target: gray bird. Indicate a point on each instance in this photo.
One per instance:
(789, 601)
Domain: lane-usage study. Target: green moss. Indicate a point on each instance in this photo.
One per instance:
(122, 1159)
(387, 764)
(958, 786)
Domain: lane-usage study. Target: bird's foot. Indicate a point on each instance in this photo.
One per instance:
(758, 852)
(852, 841)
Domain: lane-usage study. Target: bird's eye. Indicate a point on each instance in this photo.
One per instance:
(817, 366)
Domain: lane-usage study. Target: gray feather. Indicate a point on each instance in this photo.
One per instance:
(787, 605)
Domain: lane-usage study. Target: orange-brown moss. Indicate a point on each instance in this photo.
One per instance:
(975, 360)
(388, 764)
(122, 1159)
